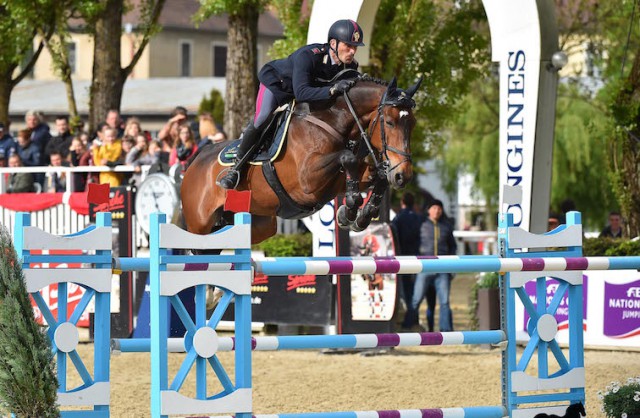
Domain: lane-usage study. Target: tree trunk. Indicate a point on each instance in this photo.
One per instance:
(108, 79)
(626, 170)
(241, 71)
(74, 118)
(6, 87)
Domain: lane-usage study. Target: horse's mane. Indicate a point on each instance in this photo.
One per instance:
(365, 77)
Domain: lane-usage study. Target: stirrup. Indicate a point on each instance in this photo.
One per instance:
(230, 180)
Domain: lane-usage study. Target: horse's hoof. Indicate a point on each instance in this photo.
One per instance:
(342, 218)
(360, 224)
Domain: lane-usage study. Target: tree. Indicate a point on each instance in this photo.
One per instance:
(20, 21)
(109, 76)
(446, 44)
(241, 78)
(28, 384)
(295, 22)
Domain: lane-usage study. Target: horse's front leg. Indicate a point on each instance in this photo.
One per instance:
(371, 209)
(348, 212)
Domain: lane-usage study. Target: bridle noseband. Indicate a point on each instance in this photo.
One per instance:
(382, 167)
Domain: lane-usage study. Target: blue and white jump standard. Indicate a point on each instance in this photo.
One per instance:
(95, 277)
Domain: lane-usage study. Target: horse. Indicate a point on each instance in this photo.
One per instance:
(575, 410)
(328, 153)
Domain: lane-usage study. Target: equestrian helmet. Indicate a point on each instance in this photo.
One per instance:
(347, 31)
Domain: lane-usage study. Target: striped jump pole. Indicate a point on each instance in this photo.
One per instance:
(468, 412)
(301, 342)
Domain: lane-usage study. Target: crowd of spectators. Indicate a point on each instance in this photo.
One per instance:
(116, 141)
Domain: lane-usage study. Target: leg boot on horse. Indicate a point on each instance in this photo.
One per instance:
(249, 139)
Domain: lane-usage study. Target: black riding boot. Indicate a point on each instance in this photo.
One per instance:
(249, 138)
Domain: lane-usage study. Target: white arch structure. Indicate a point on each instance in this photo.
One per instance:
(524, 38)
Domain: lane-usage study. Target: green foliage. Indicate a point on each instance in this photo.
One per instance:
(210, 8)
(490, 280)
(610, 247)
(214, 104)
(621, 400)
(295, 27)
(28, 383)
(447, 45)
(286, 245)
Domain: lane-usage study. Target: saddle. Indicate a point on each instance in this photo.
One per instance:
(271, 142)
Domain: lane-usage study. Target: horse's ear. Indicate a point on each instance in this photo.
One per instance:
(412, 90)
(392, 85)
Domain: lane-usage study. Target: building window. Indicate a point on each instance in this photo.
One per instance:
(219, 61)
(71, 54)
(185, 59)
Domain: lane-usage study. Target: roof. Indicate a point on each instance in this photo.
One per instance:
(178, 14)
(140, 97)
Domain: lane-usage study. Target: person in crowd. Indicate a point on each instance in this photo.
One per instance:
(407, 227)
(109, 154)
(40, 134)
(209, 132)
(436, 239)
(168, 135)
(296, 77)
(84, 138)
(185, 148)
(19, 182)
(554, 221)
(114, 121)
(79, 156)
(57, 181)
(28, 151)
(142, 154)
(7, 143)
(62, 141)
(161, 158)
(614, 229)
(132, 128)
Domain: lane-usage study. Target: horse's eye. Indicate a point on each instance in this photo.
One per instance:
(389, 123)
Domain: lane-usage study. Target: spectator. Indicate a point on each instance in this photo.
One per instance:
(407, 227)
(19, 182)
(132, 127)
(114, 121)
(7, 143)
(209, 132)
(109, 154)
(62, 142)
(436, 238)
(79, 156)
(614, 229)
(168, 135)
(161, 158)
(554, 221)
(185, 148)
(140, 155)
(57, 181)
(40, 135)
(566, 206)
(27, 150)
(84, 137)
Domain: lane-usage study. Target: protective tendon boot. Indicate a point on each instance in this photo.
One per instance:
(232, 178)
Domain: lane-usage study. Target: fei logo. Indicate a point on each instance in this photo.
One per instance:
(633, 292)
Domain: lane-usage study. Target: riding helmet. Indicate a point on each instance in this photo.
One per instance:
(347, 31)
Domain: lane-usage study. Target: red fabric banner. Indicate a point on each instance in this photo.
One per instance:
(34, 202)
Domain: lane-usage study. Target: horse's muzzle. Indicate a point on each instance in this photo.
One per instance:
(399, 179)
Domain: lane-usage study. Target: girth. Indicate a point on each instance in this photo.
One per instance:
(288, 208)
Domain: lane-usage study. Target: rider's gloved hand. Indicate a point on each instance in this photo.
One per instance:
(341, 86)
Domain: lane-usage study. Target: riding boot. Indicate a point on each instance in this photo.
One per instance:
(248, 139)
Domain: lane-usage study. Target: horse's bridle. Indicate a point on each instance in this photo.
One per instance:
(381, 166)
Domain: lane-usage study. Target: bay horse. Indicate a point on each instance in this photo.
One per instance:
(328, 152)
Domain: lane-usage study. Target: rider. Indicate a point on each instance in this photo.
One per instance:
(296, 77)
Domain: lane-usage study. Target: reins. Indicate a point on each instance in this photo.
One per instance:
(381, 166)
